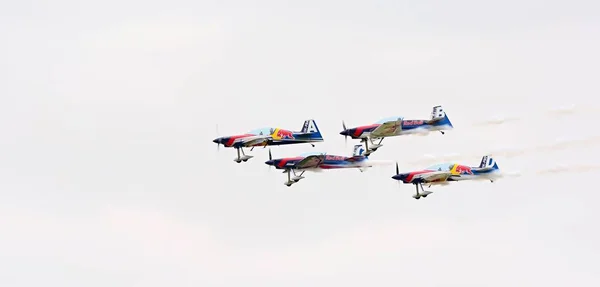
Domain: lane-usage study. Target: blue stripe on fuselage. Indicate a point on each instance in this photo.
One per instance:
(334, 161)
(479, 172)
(298, 139)
(415, 124)
(286, 142)
(331, 161)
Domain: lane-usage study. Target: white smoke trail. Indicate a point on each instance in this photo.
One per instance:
(557, 111)
(559, 145)
(509, 153)
(568, 169)
(564, 110)
(497, 121)
(559, 169)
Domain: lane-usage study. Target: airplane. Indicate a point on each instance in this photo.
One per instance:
(442, 174)
(270, 137)
(317, 162)
(397, 126)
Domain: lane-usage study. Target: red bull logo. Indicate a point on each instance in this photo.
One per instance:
(284, 134)
(334, 158)
(412, 122)
(463, 169)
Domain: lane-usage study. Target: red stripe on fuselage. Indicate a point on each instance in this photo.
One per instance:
(283, 161)
(359, 130)
(410, 177)
(231, 139)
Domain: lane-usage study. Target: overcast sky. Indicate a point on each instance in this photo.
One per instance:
(109, 177)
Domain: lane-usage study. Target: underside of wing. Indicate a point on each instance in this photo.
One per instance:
(311, 161)
(435, 176)
(387, 129)
(255, 140)
(439, 183)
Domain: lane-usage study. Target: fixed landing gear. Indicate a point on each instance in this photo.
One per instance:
(291, 180)
(374, 146)
(243, 158)
(424, 193)
(442, 132)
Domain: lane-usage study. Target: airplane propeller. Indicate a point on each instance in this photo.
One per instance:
(270, 158)
(345, 136)
(397, 172)
(218, 143)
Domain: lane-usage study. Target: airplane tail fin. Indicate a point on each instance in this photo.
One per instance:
(439, 116)
(310, 127)
(358, 150)
(487, 162)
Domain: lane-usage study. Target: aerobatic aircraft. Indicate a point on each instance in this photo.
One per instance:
(270, 137)
(397, 126)
(319, 161)
(443, 174)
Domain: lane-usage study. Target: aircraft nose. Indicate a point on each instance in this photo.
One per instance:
(401, 176)
(217, 140)
(269, 162)
(344, 132)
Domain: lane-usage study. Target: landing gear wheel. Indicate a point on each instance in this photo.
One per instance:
(424, 195)
(245, 160)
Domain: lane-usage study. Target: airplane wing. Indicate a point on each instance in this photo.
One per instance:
(434, 176)
(387, 129)
(439, 183)
(311, 161)
(254, 140)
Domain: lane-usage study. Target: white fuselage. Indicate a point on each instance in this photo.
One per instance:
(495, 174)
(419, 130)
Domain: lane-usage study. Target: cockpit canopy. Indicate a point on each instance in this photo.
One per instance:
(262, 131)
(441, 167)
(388, 119)
(306, 154)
